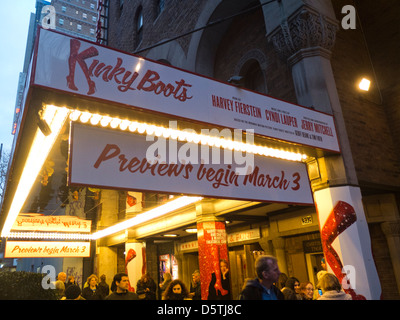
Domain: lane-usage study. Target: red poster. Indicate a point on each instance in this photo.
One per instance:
(213, 260)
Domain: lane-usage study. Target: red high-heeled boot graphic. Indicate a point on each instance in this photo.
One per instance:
(129, 257)
(341, 217)
(75, 57)
(217, 271)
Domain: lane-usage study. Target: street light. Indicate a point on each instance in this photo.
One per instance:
(364, 84)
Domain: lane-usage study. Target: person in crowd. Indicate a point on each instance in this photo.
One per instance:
(281, 281)
(176, 291)
(262, 287)
(213, 293)
(323, 264)
(318, 292)
(103, 286)
(306, 291)
(60, 289)
(70, 280)
(166, 281)
(120, 285)
(331, 288)
(62, 276)
(73, 292)
(92, 291)
(195, 286)
(291, 288)
(146, 288)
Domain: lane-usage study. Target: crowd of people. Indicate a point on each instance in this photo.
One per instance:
(269, 284)
(93, 289)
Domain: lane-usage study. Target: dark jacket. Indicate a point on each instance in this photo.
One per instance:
(253, 291)
(90, 294)
(127, 295)
(104, 287)
(142, 286)
(196, 290)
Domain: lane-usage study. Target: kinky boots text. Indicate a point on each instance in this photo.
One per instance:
(126, 80)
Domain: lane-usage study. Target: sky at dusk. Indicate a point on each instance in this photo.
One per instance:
(14, 24)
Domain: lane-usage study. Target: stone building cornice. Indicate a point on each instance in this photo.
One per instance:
(304, 29)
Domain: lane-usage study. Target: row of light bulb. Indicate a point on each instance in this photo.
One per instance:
(49, 236)
(181, 135)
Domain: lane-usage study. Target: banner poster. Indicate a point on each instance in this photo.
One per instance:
(83, 68)
(135, 263)
(123, 160)
(39, 222)
(213, 261)
(46, 249)
(346, 242)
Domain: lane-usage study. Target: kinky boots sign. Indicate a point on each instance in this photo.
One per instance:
(124, 79)
(84, 68)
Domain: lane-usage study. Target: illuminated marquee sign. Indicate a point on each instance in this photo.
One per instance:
(46, 249)
(84, 68)
(36, 222)
(114, 159)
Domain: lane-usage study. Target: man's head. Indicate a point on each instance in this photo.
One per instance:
(267, 270)
(62, 276)
(121, 281)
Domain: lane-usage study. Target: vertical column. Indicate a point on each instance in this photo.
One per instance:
(279, 246)
(304, 37)
(346, 242)
(107, 256)
(135, 262)
(391, 229)
(213, 254)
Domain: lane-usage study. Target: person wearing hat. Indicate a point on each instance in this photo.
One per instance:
(73, 292)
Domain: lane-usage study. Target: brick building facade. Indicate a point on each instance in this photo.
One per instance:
(299, 51)
(258, 46)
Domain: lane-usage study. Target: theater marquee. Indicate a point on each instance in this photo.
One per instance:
(114, 159)
(84, 68)
(46, 249)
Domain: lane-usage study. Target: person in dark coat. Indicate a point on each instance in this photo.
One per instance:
(289, 291)
(120, 285)
(195, 286)
(262, 287)
(92, 291)
(146, 288)
(103, 286)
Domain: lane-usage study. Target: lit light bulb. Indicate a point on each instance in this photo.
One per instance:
(364, 84)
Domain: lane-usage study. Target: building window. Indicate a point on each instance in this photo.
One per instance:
(84, 15)
(160, 6)
(91, 31)
(139, 26)
(92, 6)
(94, 19)
(79, 27)
(63, 9)
(253, 77)
(61, 22)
